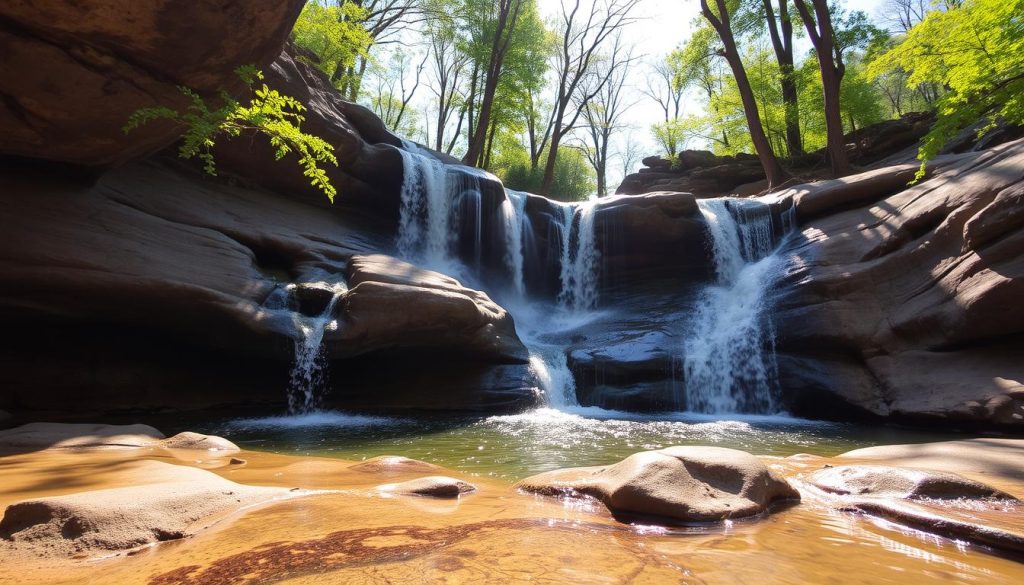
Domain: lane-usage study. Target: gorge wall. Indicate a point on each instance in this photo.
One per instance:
(132, 281)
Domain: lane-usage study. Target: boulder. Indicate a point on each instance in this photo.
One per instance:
(901, 483)
(990, 458)
(393, 464)
(678, 484)
(169, 502)
(199, 442)
(903, 301)
(397, 306)
(434, 486)
(72, 74)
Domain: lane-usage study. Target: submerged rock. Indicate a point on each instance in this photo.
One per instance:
(393, 464)
(902, 483)
(169, 503)
(678, 484)
(434, 486)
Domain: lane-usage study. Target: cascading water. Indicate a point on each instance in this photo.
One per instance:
(580, 258)
(513, 212)
(728, 355)
(308, 377)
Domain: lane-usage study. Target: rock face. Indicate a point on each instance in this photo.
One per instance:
(73, 73)
(393, 464)
(435, 486)
(102, 436)
(678, 484)
(169, 503)
(905, 306)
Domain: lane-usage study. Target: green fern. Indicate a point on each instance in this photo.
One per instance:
(278, 117)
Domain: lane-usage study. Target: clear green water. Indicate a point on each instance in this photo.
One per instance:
(513, 447)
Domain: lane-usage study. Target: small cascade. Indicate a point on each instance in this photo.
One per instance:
(513, 212)
(728, 360)
(308, 378)
(580, 258)
(425, 213)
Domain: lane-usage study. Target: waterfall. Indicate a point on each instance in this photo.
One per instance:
(425, 213)
(513, 212)
(308, 378)
(580, 258)
(728, 359)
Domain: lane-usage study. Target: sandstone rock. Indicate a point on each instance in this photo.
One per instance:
(991, 458)
(435, 486)
(393, 304)
(901, 483)
(79, 436)
(678, 484)
(198, 442)
(169, 502)
(72, 74)
(906, 307)
(393, 464)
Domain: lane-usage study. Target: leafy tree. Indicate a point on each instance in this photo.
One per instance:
(336, 35)
(574, 176)
(268, 113)
(976, 50)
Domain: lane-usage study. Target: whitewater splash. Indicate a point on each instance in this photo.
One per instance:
(580, 257)
(729, 351)
(308, 379)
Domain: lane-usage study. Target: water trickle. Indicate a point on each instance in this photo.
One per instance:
(425, 213)
(728, 355)
(308, 378)
(580, 257)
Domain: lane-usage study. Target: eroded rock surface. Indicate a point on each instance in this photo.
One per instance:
(72, 73)
(901, 483)
(678, 484)
(169, 502)
(907, 306)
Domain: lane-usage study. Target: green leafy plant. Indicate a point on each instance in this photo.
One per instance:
(276, 116)
(976, 51)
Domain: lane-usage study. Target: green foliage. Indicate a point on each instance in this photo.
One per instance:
(336, 35)
(976, 50)
(574, 176)
(269, 113)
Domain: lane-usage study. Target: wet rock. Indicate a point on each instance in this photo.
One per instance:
(435, 486)
(1001, 459)
(199, 442)
(901, 483)
(73, 73)
(678, 484)
(237, 461)
(169, 502)
(79, 436)
(393, 464)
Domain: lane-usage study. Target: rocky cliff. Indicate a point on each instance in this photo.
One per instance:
(130, 280)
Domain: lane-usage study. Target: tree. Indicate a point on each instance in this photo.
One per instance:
(780, 30)
(335, 34)
(666, 87)
(720, 21)
(830, 62)
(502, 25)
(384, 21)
(976, 50)
(270, 114)
(396, 86)
(583, 32)
(448, 69)
(602, 114)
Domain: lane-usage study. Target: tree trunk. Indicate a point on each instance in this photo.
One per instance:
(772, 169)
(819, 29)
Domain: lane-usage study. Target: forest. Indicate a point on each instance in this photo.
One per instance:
(542, 93)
